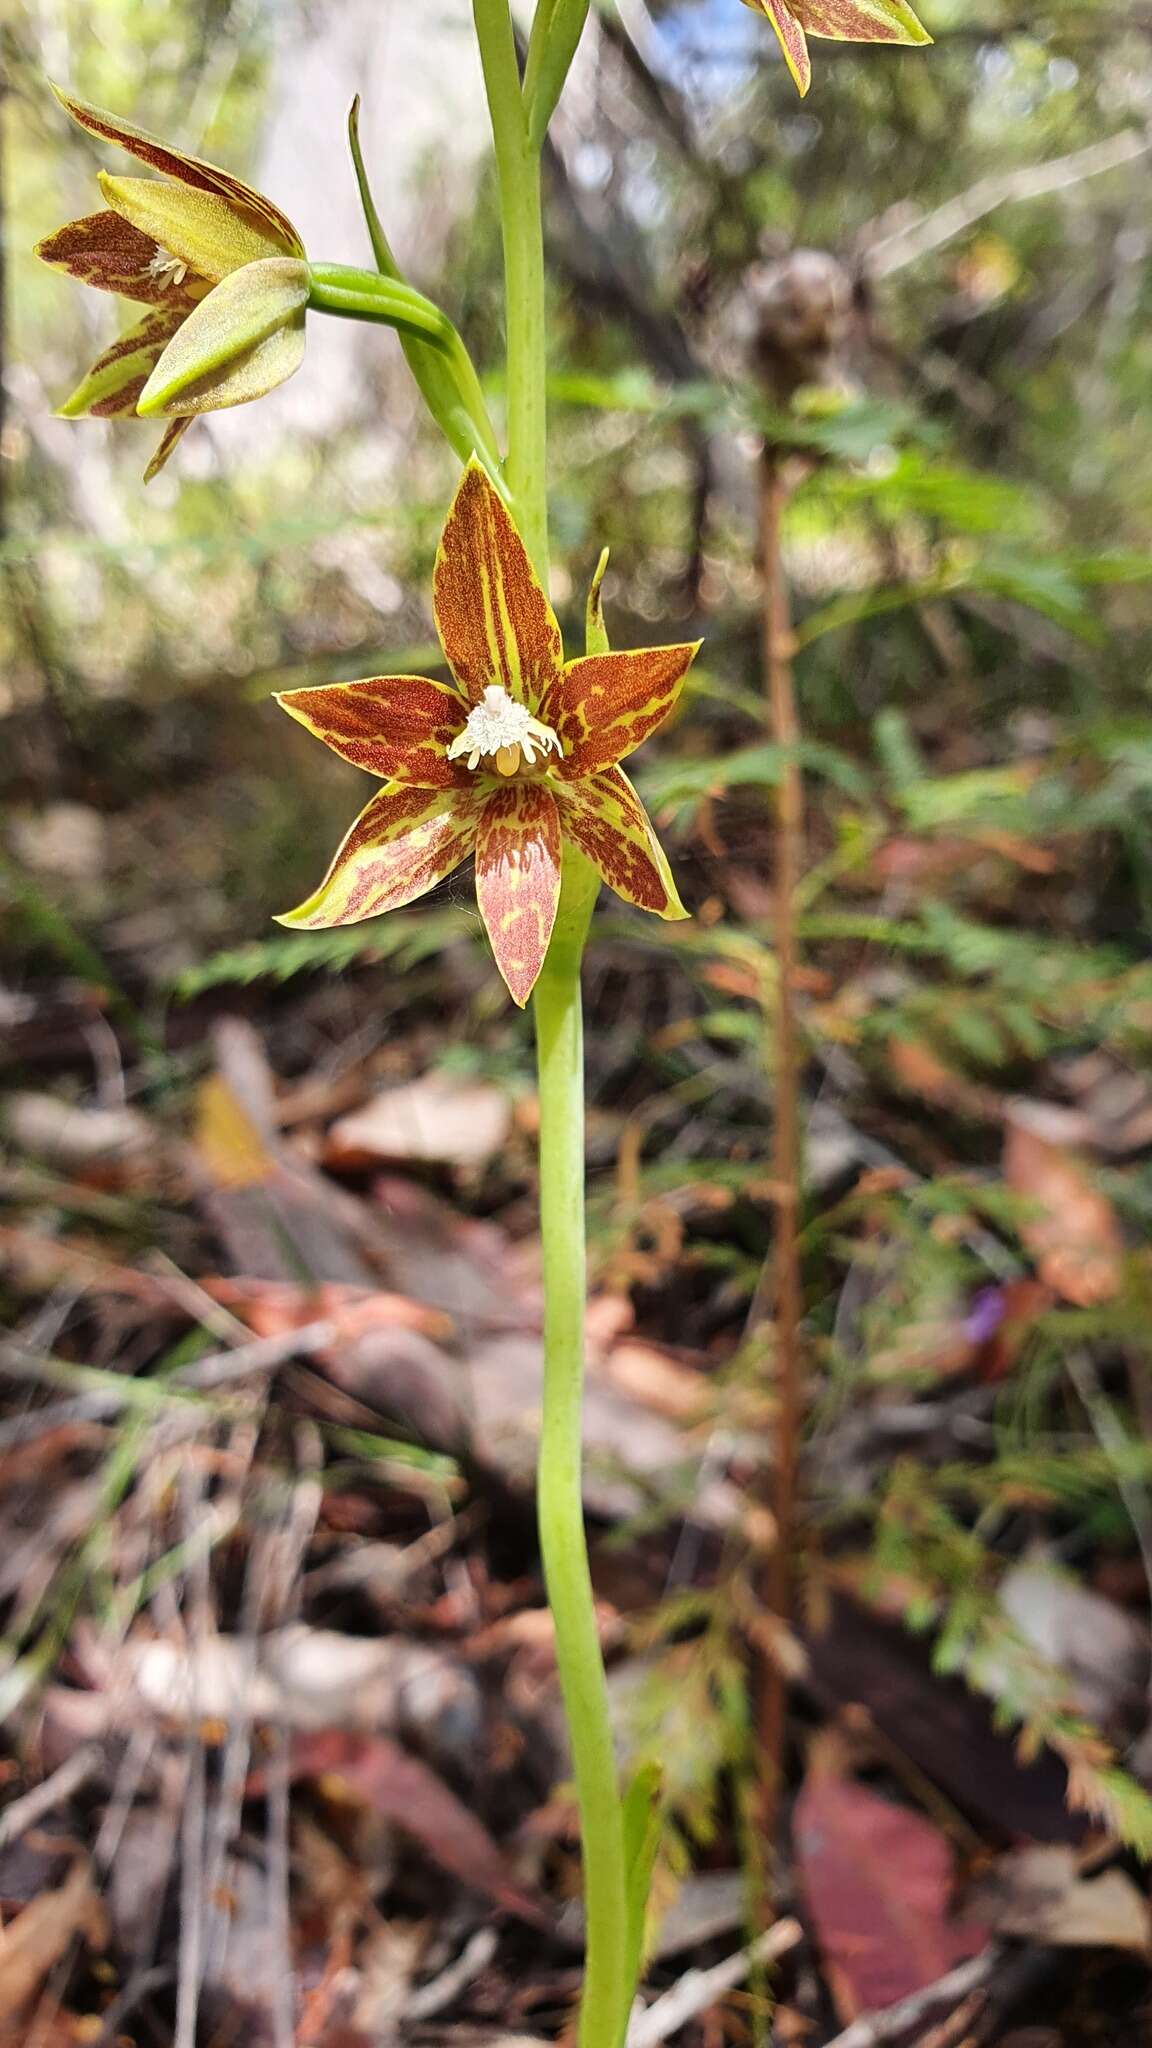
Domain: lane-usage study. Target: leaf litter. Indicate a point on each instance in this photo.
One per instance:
(281, 1678)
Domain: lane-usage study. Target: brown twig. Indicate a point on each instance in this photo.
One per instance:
(872, 2029)
(700, 1989)
(785, 1285)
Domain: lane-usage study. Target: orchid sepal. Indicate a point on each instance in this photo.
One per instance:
(842, 21)
(246, 337)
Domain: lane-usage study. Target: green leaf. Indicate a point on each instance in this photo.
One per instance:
(447, 383)
(643, 1818)
(595, 631)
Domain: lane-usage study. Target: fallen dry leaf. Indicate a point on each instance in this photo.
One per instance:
(272, 1307)
(918, 1070)
(436, 1119)
(301, 1677)
(1073, 1233)
(41, 1935)
(1102, 1650)
(631, 1449)
(877, 1879)
(77, 1136)
(650, 1375)
(1038, 1894)
(229, 1144)
(377, 1773)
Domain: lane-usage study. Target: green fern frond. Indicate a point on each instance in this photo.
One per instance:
(405, 940)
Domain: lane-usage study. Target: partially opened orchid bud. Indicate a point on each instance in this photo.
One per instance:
(221, 269)
(840, 21)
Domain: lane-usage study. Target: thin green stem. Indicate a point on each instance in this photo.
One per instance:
(559, 1037)
(366, 295)
(518, 172)
(610, 1950)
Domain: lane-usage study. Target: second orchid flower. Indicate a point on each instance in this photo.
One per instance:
(221, 269)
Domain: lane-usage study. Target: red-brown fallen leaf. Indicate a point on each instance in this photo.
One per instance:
(906, 859)
(33, 1943)
(918, 1070)
(377, 1773)
(657, 1380)
(877, 1879)
(59, 2029)
(1073, 1233)
(273, 1307)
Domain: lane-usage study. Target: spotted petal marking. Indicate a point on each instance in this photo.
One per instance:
(105, 250)
(404, 842)
(791, 38)
(604, 817)
(397, 727)
(518, 880)
(494, 620)
(603, 705)
(117, 378)
(187, 170)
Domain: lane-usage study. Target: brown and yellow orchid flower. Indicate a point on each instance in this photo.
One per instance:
(518, 754)
(221, 270)
(839, 21)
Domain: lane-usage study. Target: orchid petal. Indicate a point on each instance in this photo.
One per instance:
(190, 171)
(518, 880)
(117, 378)
(862, 21)
(397, 727)
(404, 842)
(246, 337)
(173, 432)
(604, 817)
(494, 619)
(197, 228)
(791, 38)
(106, 251)
(602, 706)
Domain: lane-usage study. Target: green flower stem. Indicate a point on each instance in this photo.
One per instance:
(607, 1992)
(518, 172)
(365, 295)
(517, 134)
